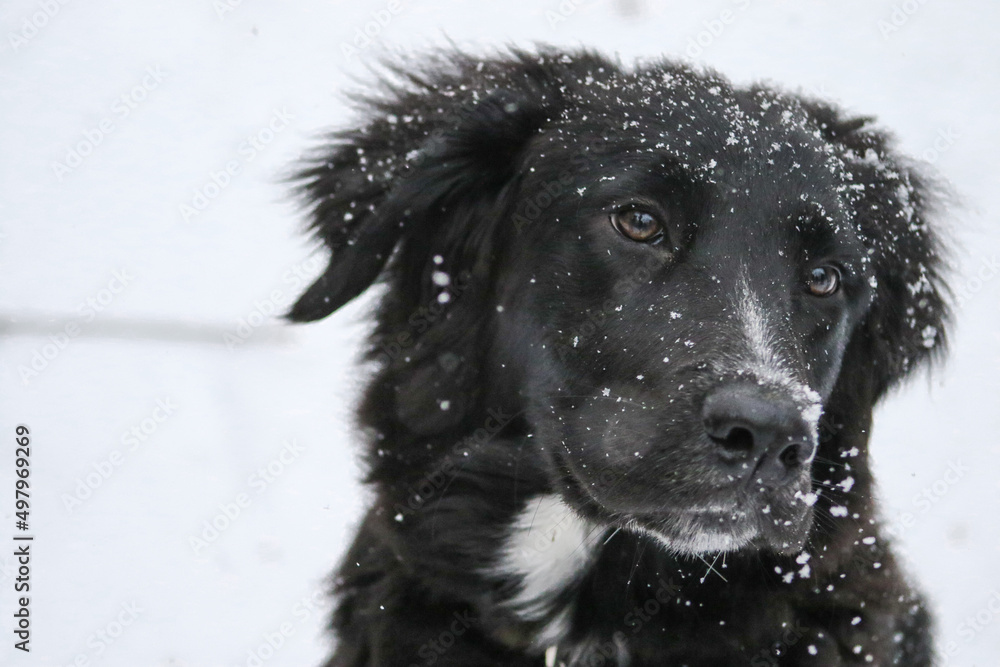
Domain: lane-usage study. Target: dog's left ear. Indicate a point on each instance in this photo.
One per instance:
(896, 208)
(417, 196)
(433, 152)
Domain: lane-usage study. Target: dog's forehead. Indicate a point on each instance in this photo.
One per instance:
(713, 131)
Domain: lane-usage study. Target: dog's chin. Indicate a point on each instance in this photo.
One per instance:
(779, 523)
(714, 530)
(699, 531)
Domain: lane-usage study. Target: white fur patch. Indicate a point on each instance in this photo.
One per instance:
(697, 540)
(766, 363)
(760, 339)
(548, 549)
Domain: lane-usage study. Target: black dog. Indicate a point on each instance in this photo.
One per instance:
(634, 326)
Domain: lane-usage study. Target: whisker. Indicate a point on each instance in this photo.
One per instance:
(711, 568)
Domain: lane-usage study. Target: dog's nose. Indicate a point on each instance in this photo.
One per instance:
(763, 437)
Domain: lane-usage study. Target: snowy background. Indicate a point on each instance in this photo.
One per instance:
(129, 256)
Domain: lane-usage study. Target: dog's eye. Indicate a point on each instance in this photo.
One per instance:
(824, 281)
(638, 224)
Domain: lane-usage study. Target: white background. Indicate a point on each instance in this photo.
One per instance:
(160, 337)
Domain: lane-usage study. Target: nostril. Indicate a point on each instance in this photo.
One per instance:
(792, 456)
(738, 440)
(757, 434)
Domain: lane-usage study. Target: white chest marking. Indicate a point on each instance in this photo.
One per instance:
(549, 547)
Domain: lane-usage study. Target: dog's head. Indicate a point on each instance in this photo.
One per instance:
(673, 278)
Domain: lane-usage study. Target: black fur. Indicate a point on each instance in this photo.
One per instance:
(567, 359)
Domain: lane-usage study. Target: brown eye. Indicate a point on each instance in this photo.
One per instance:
(638, 225)
(824, 281)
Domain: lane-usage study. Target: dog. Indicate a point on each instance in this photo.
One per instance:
(633, 325)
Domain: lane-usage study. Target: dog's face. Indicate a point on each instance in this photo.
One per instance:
(691, 292)
(668, 273)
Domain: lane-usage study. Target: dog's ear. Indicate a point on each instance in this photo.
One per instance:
(896, 208)
(444, 141)
(416, 198)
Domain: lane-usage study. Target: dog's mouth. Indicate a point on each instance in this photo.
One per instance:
(699, 531)
(777, 522)
(746, 525)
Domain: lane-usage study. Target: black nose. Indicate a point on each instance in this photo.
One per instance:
(761, 436)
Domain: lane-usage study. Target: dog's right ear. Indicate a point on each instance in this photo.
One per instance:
(443, 142)
(896, 206)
